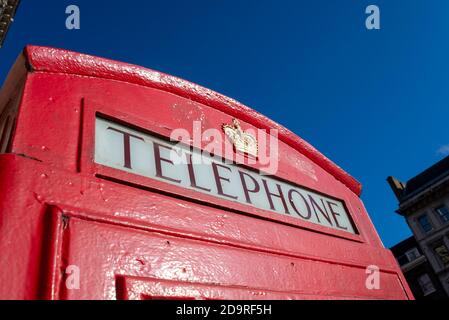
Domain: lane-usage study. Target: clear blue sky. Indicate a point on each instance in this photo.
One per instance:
(375, 102)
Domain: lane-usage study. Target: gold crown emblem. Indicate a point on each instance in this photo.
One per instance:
(242, 141)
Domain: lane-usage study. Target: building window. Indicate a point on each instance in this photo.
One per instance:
(402, 260)
(443, 213)
(424, 223)
(442, 253)
(426, 284)
(412, 254)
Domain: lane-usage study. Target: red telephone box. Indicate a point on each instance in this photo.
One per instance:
(93, 205)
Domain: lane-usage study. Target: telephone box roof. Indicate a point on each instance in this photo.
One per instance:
(45, 59)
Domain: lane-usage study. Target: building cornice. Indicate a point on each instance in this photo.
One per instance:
(421, 197)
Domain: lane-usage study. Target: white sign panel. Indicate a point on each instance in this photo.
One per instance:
(129, 150)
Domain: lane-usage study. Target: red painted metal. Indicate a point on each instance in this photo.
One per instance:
(136, 238)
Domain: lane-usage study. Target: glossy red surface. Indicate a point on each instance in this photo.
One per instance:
(138, 238)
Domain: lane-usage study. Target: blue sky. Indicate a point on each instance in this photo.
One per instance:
(375, 102)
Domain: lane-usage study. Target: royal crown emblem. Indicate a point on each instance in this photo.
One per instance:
(242, 141)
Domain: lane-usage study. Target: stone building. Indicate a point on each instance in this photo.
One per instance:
(420, 276)
(8, 9)
(424, 203)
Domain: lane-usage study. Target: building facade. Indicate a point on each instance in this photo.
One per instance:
(8, 9)
(419, 273)
(424, 203)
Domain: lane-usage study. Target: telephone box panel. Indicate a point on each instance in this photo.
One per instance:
(120, 182)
